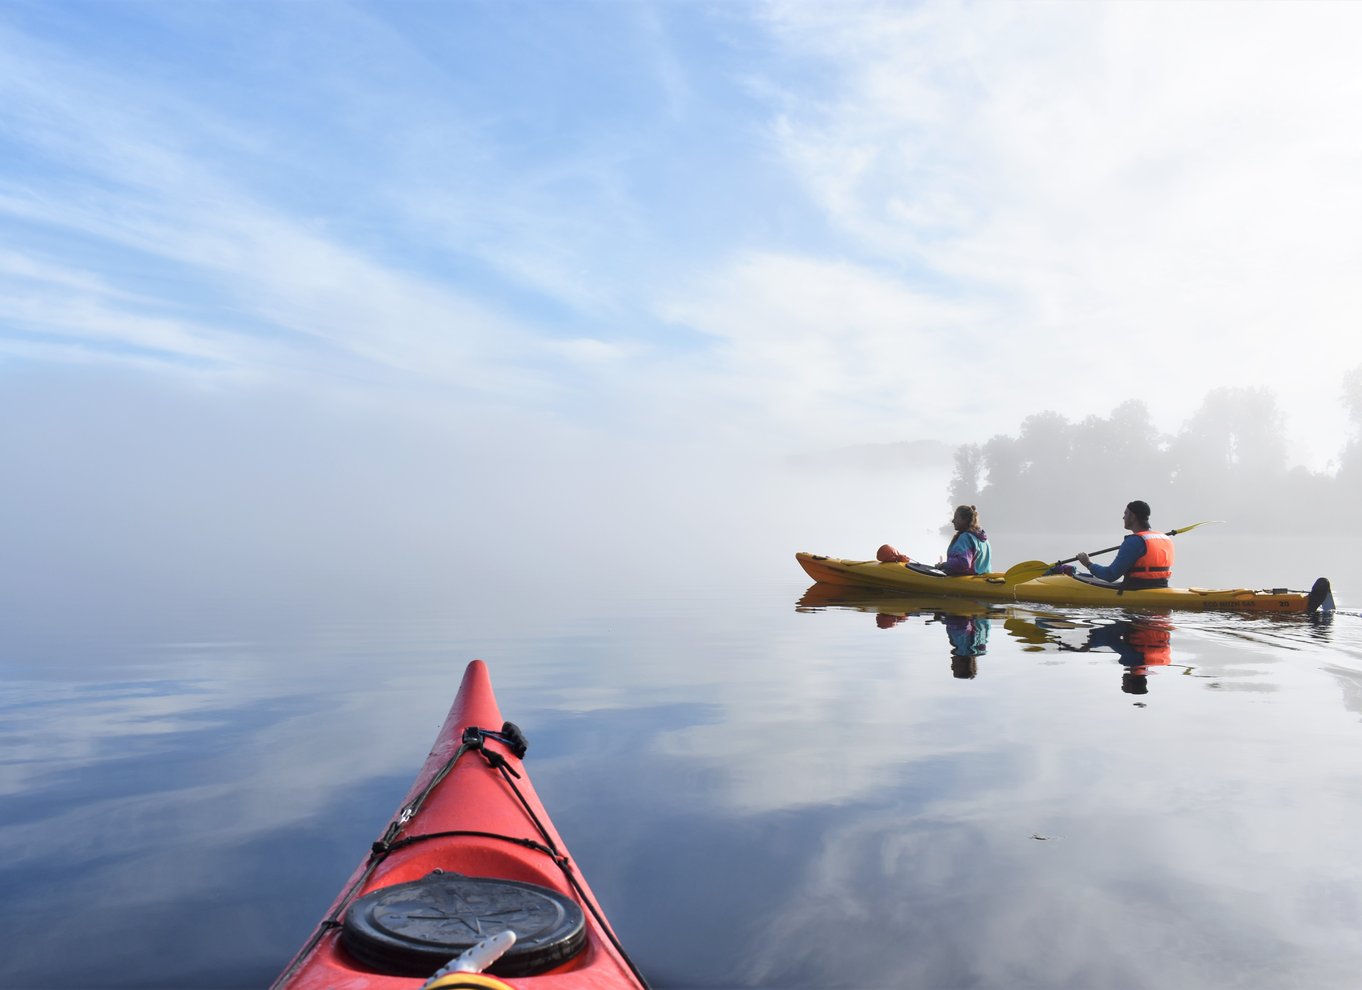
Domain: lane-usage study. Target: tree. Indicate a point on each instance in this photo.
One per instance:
(1118, 458)
(1002, 465)
(1046, 445)
(967, 482)
(1352, 397)
(1349, 478)
(1236, 436)
(1230, 459)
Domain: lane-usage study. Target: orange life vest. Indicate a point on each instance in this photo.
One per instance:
(1156, 564)
(1153, 640)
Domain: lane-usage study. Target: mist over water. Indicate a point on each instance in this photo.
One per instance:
(154, 511)
(202, 503)
(231, 632)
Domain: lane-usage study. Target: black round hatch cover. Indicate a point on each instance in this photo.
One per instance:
(412, 929)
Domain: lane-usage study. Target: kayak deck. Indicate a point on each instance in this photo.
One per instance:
(470, 847)
(1055, 589)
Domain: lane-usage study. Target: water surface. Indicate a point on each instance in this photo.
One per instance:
(766, 785)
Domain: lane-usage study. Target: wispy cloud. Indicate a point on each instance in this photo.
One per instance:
(1117, 183)
(125, 182)
(825, 346)
(859, 221)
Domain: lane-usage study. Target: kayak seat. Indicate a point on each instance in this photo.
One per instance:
(924, 570)
(1096, 582)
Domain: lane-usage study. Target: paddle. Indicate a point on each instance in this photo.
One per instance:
(1029, 570)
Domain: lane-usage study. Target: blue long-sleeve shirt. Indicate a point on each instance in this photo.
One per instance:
(1132, 549)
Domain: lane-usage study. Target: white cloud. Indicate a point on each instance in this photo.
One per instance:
(825, 346)
(275, 275)
(1134, 191)
(591, 352)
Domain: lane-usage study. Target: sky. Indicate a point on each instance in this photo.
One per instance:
(329, 271)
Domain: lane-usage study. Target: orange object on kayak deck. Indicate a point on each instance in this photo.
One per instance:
(469, 853)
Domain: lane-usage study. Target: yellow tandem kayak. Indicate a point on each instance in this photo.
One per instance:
(1059, 589)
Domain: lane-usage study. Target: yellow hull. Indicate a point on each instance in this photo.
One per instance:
(1057, 589)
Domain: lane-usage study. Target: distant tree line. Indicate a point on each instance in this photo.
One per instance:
(1228, 461)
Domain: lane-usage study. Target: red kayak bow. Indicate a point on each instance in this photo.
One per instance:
(470, 855)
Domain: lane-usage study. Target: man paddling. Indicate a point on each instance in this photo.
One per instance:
(1145, 559)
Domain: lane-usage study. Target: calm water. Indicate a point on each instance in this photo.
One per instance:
(767, 786)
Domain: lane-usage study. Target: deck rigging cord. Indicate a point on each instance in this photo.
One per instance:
(474, 740)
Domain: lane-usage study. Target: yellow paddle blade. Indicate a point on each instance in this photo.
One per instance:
(1027, 570)
(1183, 529)
(1026, 631)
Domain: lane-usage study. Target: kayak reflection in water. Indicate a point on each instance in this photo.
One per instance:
(967, 552)
(1140, 642)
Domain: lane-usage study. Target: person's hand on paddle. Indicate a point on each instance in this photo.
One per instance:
(1029, 570)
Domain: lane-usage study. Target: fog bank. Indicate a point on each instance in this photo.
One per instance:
(137, 498)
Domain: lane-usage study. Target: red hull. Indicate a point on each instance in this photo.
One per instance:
(472, 797)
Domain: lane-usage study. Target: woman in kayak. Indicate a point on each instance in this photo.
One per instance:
(1145, 559)
(967, 552)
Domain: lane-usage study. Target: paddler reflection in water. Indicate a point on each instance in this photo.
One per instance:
(967, 553)
(1141, 642)
(1145, 559)
(968, 635)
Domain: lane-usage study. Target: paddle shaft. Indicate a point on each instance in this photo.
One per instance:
(1028, 570)
(1094, 553)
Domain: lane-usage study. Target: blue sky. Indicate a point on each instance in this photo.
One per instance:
(483, 198)
(805, 217)
(661, 230)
